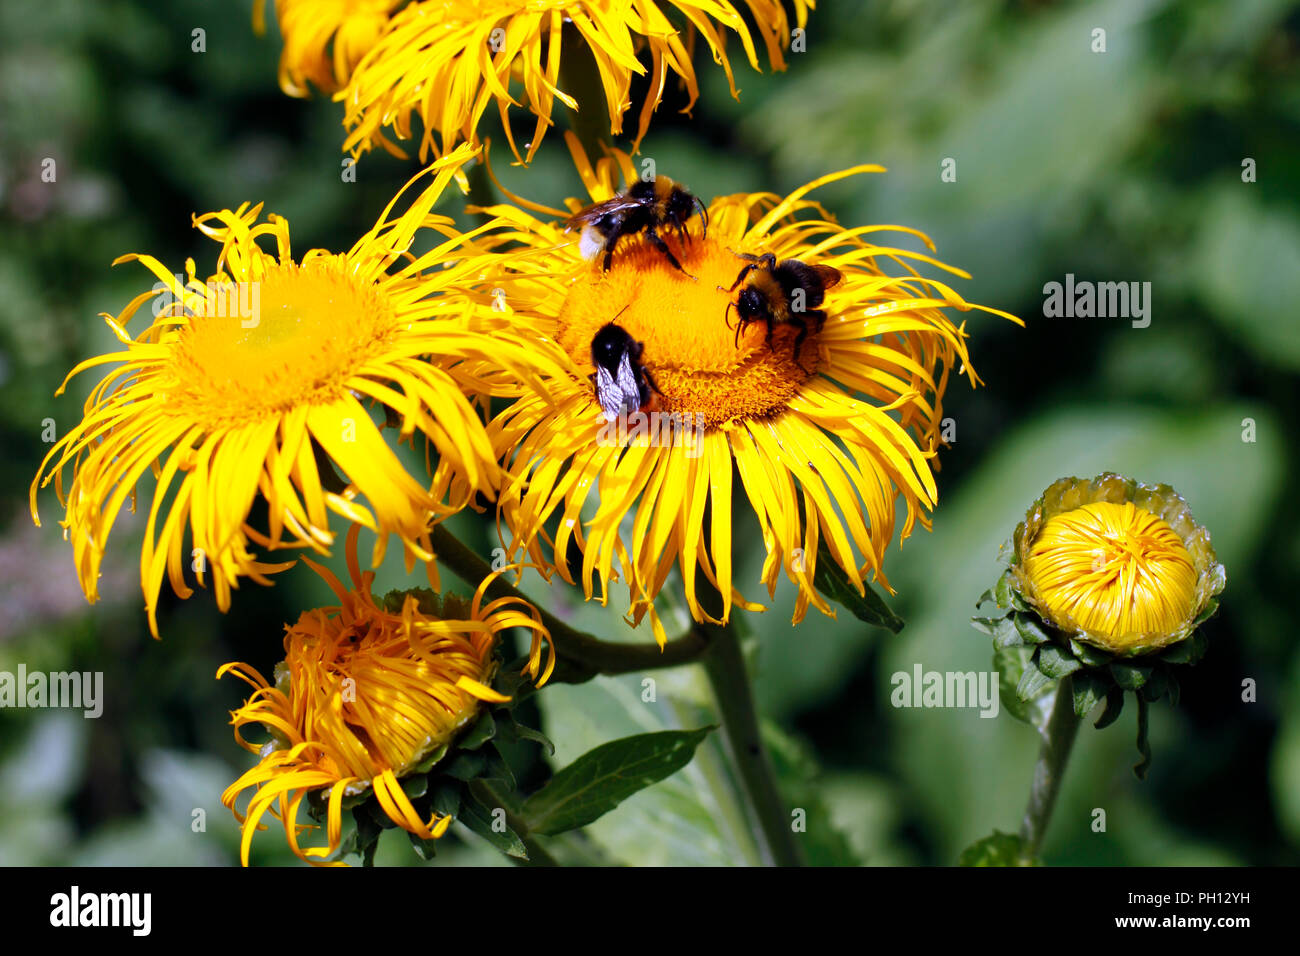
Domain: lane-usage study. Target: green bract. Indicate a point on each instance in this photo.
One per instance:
(1036, 652)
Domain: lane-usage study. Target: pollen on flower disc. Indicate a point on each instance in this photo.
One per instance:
(689, 337)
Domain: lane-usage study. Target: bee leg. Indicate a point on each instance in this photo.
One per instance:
(798, 346)
(741, 278)
(609, 251)
(768, 320)
(662, 246)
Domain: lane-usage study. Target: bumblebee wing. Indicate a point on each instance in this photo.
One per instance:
(629, 385)
(828, 275)
(607, 393)
(589, 215)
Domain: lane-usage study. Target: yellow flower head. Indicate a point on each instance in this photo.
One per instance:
(1116, 564)
(324, 39)
(825, 442)
(449, 60)
(363, 697)
(243, 388)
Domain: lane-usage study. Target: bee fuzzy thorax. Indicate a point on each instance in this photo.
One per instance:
(653, 209)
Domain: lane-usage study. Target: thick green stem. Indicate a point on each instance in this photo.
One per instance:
(580, 656)
(732, 689)
(1058, 741)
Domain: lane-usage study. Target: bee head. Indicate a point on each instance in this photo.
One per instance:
(610, 344)
(680, 206)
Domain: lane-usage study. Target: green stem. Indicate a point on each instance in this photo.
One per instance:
(487, 795)
(725, 664)
(1058, 741)
(580, 656)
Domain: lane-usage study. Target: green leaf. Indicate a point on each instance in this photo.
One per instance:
(1089, 690)
(1008, 635)
(415, 786)
(869, 607)
(998, 849)
(986, 625)
(1055, 663)
(1143, 741)
(1003, 591)
(424, 849)
(511, 730)
(445, 798)
(432, 758)
(1030, 630)
(1130, 676)
(466, 766)
(490, 823)
(1011, 663)
(482, 730)
(602, 778)
(1205, 616)
(1032, 682)
(1114, 705)
(1174, 690)
(1187, 651)
(1090, 656)
(367, 838)
(1157, 685)
(496, 768)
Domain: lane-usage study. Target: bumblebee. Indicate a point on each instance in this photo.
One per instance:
(623, 384)
(780, 293)
(644, 207)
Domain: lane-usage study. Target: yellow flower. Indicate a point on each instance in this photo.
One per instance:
(324, 39)
(242, 388)
(824, 444)
(449, 60)
(1116, 564)
(364, 696)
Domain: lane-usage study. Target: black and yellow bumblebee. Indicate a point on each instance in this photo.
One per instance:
(787, 292)
(646, 206)
(623, 384)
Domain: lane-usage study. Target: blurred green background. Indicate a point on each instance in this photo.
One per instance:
(1124, 165)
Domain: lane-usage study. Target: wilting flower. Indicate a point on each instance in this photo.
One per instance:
(247, 386)
(450, 60)
(1116, 564)
(825, 442)
(364, 696)
(324, 39)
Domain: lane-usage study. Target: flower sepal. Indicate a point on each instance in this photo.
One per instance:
(1034, 656)
(448, 780)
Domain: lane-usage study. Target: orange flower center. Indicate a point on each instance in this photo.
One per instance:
(688, 330)
(292, 338)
